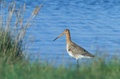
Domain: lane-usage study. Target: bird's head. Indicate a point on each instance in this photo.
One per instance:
(65, 32)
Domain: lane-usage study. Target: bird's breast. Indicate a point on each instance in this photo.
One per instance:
(69, 51)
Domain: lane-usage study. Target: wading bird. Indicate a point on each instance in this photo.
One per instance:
(73, 49)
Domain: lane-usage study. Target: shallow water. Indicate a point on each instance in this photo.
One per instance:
(93, 24)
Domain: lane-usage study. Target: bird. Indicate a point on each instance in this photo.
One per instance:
(73, 49)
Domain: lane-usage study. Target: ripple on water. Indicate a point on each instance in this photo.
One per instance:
(91, 23)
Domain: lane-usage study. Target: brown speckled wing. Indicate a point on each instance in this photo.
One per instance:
(77, 50)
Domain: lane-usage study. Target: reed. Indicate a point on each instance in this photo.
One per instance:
(12, 34)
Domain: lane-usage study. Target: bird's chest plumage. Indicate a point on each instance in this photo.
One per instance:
(69, 51)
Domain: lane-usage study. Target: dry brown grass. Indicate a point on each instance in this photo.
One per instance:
(12, 35)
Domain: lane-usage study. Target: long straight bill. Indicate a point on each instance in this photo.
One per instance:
(59, 36)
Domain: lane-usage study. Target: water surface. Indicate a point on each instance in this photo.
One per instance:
(93, 24)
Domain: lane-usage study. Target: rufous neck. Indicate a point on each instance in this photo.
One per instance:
(68, 38)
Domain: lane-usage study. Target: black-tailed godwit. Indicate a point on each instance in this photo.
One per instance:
(73, 49)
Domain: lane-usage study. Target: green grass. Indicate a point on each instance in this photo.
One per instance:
(95, 70)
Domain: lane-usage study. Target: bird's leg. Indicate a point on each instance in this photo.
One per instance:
(77, 64)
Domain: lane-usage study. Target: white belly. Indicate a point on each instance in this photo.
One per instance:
(70, 53)
(81, 56)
